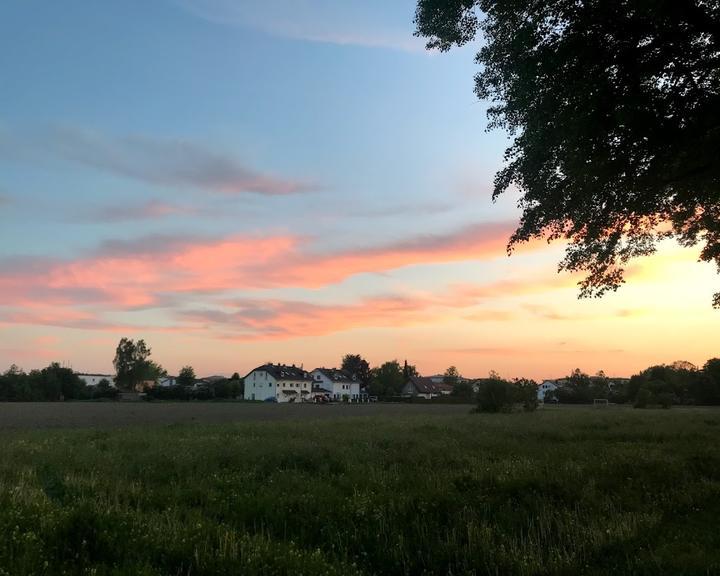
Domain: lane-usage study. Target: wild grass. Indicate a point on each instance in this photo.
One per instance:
(555, 492)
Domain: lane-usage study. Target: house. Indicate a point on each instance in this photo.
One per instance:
(95, 379)
(278, 383)
(167, 381)
(339, 384)
(320, 394)
(445, 388)
(545, 387)
(211, 380)
(421, 386)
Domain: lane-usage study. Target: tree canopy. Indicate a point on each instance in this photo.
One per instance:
(133, 365)
(357, 367)
(387, 379)
(186, 376)
(614, 109)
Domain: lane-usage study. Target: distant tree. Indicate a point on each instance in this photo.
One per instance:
(463, 389)
(133, 365)
(358, 367)
(575, 388)
(451, 376)
(409, 371)
(235, 376)
(681, 380)
(387, 379)
(665, 399)
(186, 376)
(643, 398)
(65, 380)
(614, 108)
(495, 394)
(50, 384)
(105, 389)
(704, 386)
(526, 393)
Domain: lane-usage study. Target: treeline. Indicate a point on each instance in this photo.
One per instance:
(223, 389)
(51, 384)
(665, 385)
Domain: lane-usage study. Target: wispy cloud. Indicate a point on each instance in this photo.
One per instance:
(160, 161)
(415, 209)
(151, 210)
(341, 23)
(274, 319)
(152, 270)
(551, 313)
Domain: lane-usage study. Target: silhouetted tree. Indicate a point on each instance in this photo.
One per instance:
(526, 393)
(615, 111)
(463, 389)
(451, 376)
(387, 380)
(133, 365)
(186, 377)
(495, 394)
(576, 388)
(49, 384)
(357, 366)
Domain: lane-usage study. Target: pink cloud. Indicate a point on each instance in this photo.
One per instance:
(159, 271)
(274, 319)
(138, 273)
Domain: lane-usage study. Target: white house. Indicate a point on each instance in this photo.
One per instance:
(278, 383)
(167, 381)
(95, 379)
(338, 383)
(545, 387)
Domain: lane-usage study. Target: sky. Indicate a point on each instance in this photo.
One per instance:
(241, 182)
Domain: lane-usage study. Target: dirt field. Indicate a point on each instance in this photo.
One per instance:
(34, 415)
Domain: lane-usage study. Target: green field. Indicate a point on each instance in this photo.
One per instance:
(576, 491)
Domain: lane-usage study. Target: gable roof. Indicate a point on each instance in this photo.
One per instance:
(424, 385)
(336, 375)
(284, 372)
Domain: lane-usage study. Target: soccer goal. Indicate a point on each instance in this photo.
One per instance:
(600, 403)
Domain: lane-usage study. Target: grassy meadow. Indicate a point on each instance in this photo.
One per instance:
(560, 491)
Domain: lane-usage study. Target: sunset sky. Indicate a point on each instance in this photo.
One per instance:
(239, 184)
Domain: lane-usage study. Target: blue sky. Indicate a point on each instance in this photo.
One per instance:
(206, 146)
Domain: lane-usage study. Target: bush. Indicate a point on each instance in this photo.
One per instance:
(643, 398)
(495, 395)
(665, 400)
(104, 390)
(526, 393)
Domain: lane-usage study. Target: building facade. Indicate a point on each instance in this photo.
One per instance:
(278, 383)
(338, 383)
